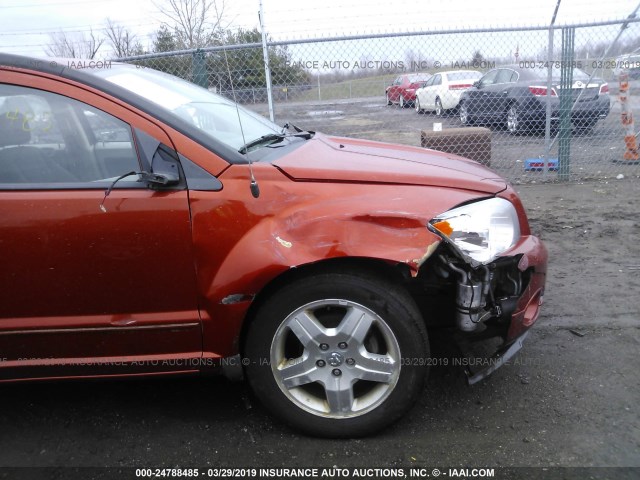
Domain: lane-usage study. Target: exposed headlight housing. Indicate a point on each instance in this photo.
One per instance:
(482, 230)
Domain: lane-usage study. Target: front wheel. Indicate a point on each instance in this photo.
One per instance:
(337, 355)
(388, 101)
(513, 120)
(463, 111)
(439, 109)
(418, 107)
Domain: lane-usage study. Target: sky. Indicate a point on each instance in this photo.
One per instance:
(27, 25)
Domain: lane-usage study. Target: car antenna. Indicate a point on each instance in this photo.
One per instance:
(253, 186)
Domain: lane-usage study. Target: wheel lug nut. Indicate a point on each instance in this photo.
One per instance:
(336, 372)
(350, 361)
(343, 345)
(324, 346)
(321, 363)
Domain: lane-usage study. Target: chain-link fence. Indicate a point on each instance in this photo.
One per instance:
(536, 103)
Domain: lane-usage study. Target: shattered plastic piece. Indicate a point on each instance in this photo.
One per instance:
(430, 249)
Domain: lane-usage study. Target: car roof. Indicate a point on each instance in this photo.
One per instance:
(448, 72)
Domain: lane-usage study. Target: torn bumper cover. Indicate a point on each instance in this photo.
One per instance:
(494, 303)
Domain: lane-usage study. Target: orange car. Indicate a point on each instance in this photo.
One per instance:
(149, 226)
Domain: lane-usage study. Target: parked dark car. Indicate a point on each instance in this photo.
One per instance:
(149, 226)
(403, 89)
(516, 97)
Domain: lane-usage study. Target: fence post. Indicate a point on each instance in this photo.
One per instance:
(566, 102)
(547, 126)
(267, 68)
(199, 68)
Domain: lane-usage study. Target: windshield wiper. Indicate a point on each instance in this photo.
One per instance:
(289, 125)
(271, 138)
(263, 140)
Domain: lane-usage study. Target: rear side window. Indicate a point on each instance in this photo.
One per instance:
(51, 139)
(464, 76)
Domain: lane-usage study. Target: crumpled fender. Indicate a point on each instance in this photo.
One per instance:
(306, 236)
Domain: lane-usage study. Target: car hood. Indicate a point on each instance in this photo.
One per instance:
(337, 159)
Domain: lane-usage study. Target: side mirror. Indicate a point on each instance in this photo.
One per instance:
(476, 84)
(160, 179)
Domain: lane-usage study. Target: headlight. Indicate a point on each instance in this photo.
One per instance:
(482, 229)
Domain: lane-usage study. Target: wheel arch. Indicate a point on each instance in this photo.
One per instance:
(398, 273)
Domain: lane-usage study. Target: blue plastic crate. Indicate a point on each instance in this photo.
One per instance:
(537, 164)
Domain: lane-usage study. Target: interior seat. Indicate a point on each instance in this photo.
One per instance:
(24, 163)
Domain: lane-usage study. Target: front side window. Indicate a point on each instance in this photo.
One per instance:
(505, 75)
(51, 139)
(489, 78)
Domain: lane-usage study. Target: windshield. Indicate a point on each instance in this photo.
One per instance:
(210, 113)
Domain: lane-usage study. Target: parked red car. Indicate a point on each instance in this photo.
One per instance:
(137, 238)
(403, 89)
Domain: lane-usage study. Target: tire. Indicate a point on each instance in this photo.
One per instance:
(418, 108)
(321, 386)
(388, 101)
(463, 113)
(514, 122)
(439, 109)
(402, 102)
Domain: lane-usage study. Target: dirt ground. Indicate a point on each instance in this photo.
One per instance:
(570, 398)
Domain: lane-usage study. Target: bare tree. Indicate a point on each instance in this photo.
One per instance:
(195, 23)
(122, 41)
(74, 46)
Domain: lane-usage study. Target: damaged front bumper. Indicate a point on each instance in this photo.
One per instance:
(499, 358)
(489, 307)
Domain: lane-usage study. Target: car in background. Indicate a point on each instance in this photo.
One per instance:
(403, 89)
(442, 91)
(629, 63)
(516, 98)
(151, 227)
